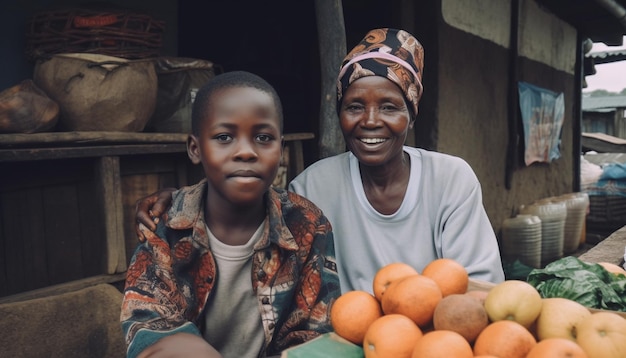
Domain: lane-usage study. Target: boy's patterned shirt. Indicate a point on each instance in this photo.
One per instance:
(172, 273)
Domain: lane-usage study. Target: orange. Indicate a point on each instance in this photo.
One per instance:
(352, 313)
(557, 348)
(504, 339)
(389, 273)
(414, 296)
(392, 335)
(450, 275)
(462, 314)
(442, 343)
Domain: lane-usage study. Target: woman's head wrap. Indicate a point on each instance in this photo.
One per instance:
(390, 53)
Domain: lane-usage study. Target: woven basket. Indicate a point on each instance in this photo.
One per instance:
(114, 33)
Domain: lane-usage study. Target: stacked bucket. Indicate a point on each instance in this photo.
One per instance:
(545, 230)
(522, 240)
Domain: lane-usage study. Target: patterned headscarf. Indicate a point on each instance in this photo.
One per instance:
(390, 53)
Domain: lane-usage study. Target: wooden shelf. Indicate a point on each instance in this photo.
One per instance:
(67, 199)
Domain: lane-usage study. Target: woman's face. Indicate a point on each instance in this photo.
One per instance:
(375, 120)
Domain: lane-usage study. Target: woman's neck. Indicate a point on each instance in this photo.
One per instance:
(385, 186)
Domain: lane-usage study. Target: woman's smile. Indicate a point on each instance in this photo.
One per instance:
(373, 140)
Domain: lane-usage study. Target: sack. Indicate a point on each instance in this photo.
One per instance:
(25, 108)
(99, 92)
(179, 79)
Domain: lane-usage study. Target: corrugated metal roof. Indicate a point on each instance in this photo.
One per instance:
(607, 56)
(593, 104)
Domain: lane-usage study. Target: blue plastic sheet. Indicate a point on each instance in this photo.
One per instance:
(542, 114)
(612, 182)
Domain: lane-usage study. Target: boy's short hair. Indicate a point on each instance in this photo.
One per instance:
(229, 80)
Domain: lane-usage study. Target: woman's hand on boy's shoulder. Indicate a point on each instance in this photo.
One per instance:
(149, 209)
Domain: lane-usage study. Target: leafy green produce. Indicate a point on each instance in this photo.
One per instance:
(586, 283)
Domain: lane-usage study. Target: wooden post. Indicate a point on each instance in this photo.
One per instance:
(332, 44)
(513, 98)
(110, 192)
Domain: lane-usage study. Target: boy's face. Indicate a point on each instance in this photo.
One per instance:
(239, 144)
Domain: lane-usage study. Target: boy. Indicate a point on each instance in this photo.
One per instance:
(235, 268)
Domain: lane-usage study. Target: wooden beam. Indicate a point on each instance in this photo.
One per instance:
(110, 195)
(89, 137)
(332, 45)
(603, 143)
(26, 154)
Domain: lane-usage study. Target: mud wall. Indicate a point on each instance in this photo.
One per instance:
(474, 72)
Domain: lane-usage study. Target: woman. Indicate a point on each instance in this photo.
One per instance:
(389, 202)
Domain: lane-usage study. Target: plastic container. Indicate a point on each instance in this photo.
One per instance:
(552, 215)
(576, 205)
(521, 240)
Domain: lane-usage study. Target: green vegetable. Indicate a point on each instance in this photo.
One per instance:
(588, 284)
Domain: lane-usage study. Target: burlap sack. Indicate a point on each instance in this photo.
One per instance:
(179, 80)
(98, 92)
(25, 108)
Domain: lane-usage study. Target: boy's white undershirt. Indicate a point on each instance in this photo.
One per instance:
(233, 321)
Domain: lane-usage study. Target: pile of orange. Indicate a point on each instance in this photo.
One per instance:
(432, 314)
(400, 312)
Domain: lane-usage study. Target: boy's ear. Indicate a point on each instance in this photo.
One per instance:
(193, 149)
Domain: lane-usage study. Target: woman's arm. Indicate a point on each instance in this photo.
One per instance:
(149, 209)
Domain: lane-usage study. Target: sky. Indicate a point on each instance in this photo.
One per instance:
(609, 76)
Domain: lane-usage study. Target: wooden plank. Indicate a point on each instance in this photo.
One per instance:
(110, 197)
(89, 137)
(34, 238)
(603, 143)
(135, 187)
(62, 235)
(25, 154)
(82, 138)
(152, 163)
(4, 234)
(298, 136)
(12, 250)
(85, 147)
(23, 240)
(32, 174)
(92, 232)
(298, 157)
(70, 286)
